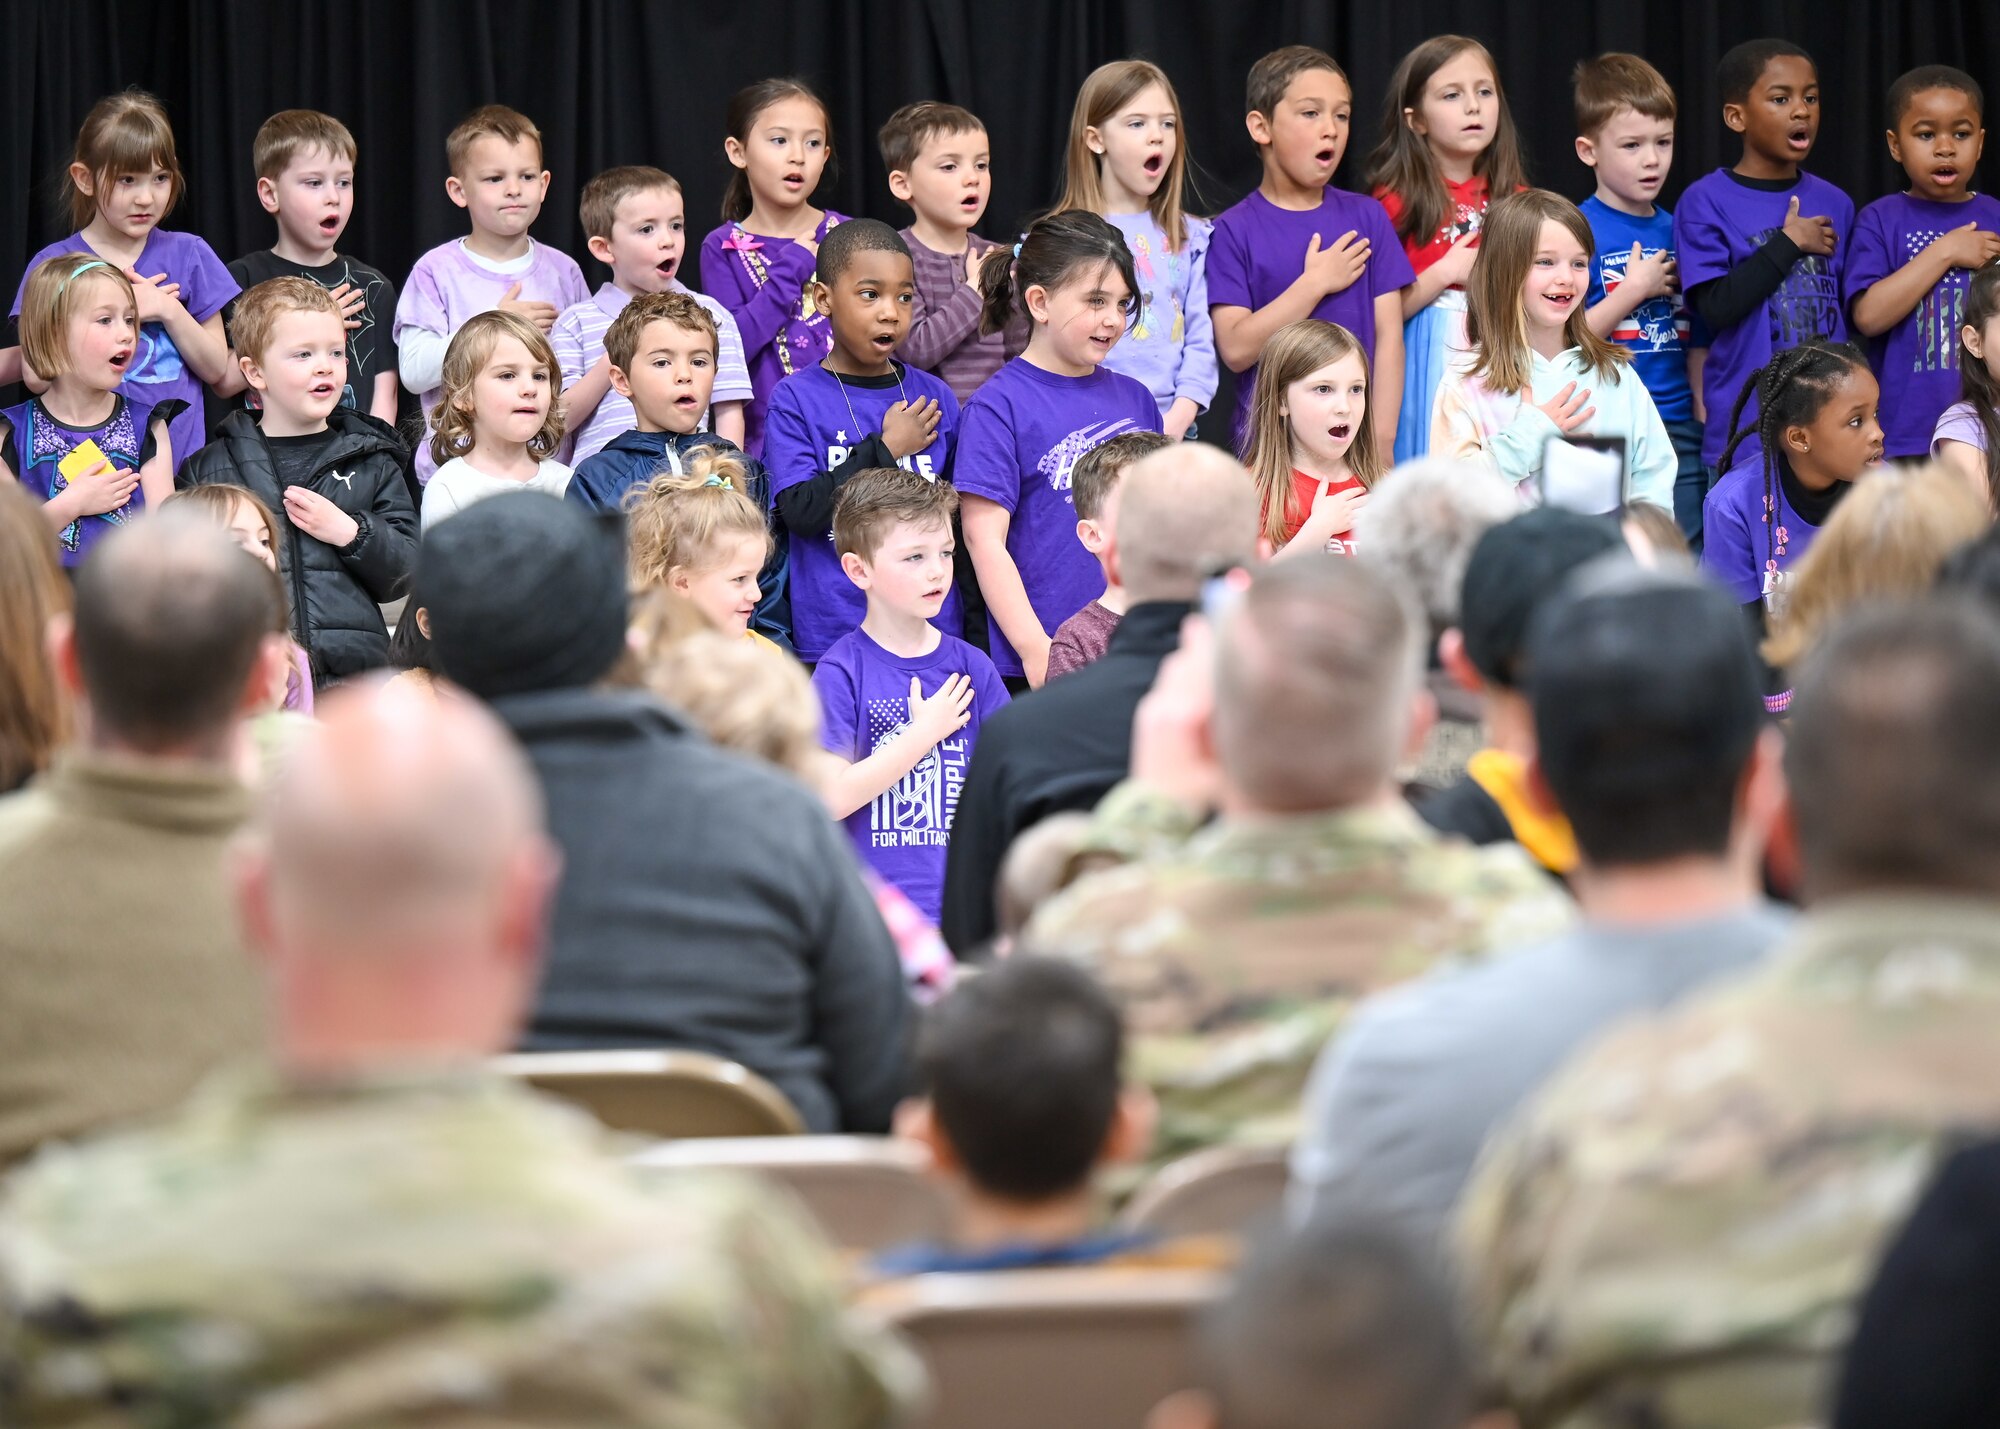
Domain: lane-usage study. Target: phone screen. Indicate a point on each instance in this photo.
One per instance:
(1584, 474)
(1221, 590)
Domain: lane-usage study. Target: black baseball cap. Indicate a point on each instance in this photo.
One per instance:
(524, 592)
(1515, 567)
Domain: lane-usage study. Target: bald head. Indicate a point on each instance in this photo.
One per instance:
(398, 884)
(399, 814)
(171, 621)
(1317, 677)
(1183, 512)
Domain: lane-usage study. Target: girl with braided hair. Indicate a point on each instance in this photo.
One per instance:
(1817, 426)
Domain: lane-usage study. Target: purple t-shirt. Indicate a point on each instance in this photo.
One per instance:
(762, 281)
(449, 285)
(1017, 442)
(813, 421)
(35, 444)
(1258, 250)
(1959, 423)
(864, 696)
(157, 373)
(1721, 222)
(1736, 545)
(1917, 359)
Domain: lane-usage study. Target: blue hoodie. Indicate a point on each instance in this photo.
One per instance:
(600, 482)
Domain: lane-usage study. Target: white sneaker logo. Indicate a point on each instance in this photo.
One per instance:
(346, 481)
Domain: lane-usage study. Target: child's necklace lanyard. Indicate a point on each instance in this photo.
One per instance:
(842, 385)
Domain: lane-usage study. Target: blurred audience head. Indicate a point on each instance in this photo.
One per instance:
(1183, 512)
(524, 595)
(1890, 758)
(1339, 1325)
(1888, 537)
(1421, 523)
(34, 710)
(176, 636)
(1318, 686)
(397, 882)
(1648, 707)
(1021, 1091)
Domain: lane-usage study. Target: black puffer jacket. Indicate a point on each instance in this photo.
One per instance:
(333, 593)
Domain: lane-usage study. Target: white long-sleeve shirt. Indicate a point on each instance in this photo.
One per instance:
(1473, 422)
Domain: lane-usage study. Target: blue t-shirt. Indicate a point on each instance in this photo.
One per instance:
(1022, 434)
(864, 696)
(813, 421)
(1917, 359)
(1659, 332)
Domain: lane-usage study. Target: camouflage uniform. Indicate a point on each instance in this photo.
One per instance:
(1677, 1232)
(445, 1250)
(1237, 949)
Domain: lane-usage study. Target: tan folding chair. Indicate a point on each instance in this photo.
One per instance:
(1057, 1349)
(1220, 1191)
(660, 1093)
(867, 1192)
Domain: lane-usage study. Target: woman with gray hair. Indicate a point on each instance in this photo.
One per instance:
(1420, 525)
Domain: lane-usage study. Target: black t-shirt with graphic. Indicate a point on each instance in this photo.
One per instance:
(370, 351)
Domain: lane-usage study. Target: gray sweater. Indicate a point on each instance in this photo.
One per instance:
(708, 903)
(1405, 1096)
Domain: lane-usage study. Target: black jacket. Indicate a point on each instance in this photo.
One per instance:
(334, 594)
(1058, 749)
(708, 902)
(1926, 1346)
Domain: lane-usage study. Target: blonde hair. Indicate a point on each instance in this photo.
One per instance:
(34, 714)
(1296, 351)
(292, 132)
(124, 133)
(496, 121)
(1109, 89)
(675, 520)
(471, 348)
(257, 312)
(219, 501)
(1496, 321)
(54, 294)
(743, 696)
(1886, 539)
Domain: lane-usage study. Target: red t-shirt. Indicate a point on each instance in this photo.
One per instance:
(1305, 491)
(1468, 206)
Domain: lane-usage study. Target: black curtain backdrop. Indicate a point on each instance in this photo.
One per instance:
(646, 81)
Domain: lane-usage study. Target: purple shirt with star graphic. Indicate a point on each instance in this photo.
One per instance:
(1917, 359)
(813, 421)
(864, 695)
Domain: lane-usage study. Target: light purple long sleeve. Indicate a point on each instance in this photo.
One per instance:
(762, 282)
(1171, 344)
